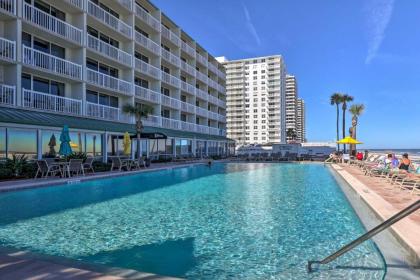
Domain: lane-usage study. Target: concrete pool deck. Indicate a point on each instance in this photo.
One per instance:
(386, 200)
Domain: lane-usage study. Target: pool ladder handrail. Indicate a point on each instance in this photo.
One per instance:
(384, 225)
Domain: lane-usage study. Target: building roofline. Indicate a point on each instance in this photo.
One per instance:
(252, 58)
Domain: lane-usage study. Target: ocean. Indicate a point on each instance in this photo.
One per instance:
(412, 152)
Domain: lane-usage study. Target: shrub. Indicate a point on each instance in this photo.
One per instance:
(100, 166)
(29, 170)
(77, 155)
(5, 173)
(16, 164)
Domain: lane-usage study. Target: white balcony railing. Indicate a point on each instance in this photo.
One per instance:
(108, 50)
(7, 95)
(147, 18)
(200, 76)
(8, 6)
(187, 87)
(152, 120)
(147, 69)
(188, 49)
(202, 129)
(212, 115)
(171, 80)
(171, 58)
(48, 102)
(213, 99)
(76, 3)
(108, 82)
(108, 19)
(170, 123)
(202, 94)
(221, 89)
(147, 43)
(51, 63)
(171, 102)
(100, 111)
(52, 24)
(187, 107)
(213, 68)
(126, 4)
(201, 111)
(147, 95)
(7, 49)
(171, 36)
(187, 126)
(201, 59)
(212, 83)
(187, 68)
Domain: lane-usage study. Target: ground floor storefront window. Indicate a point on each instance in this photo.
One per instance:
(2, 142)
(22, 142)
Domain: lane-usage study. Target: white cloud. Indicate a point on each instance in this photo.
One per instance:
(250, 25)
(379, 14)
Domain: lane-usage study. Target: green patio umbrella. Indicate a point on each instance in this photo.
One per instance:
(65, 148)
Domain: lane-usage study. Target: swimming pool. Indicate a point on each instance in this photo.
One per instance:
(230, 221)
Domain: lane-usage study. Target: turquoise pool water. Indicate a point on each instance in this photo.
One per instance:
(230, 221)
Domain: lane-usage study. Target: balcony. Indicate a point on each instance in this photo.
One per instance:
(8, 6)
(47, 102)
(126, 4)
(221, 118)
(147, 18)
(171, 36)
(187, 107)
(187, 68)
(7, 49)
(187, 49)
(108, 50)
(201, 112)
(7, 95)
(171, 80)
(221, 89)
(212, 99)
(50, 63)
(108, 82)
(201, 59)
(221, 103)
(171, 102)
(200, 76)
(147, 95)
(187, 126)
(202, 129)
(152, 120)
(212, 115)
(212, 83)
(147, 43)
(76, 3)
(202, 94)
(52, 24)
(171, 58)
(147, 69)
(170, 123)
(213, 68)
(187, 87)
(108, 19)
(99, 111)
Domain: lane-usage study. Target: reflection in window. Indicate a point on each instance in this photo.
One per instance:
(50, 142)
(2, 142)
(22, 141)
(169, 147)
(77, 141)
(93, 144)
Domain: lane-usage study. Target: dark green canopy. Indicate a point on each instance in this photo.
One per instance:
(27, 117)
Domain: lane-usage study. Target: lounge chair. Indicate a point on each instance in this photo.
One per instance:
(88, 165)
(118, 163)
(137, 164)
(44, 169)
(75, 167)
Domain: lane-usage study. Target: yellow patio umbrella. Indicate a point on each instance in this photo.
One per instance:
(349, 140)
(126, 143)
(74, 145)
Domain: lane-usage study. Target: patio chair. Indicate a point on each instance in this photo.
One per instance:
(44, 169)
(88, 165)
(119, 164)
(75, 166)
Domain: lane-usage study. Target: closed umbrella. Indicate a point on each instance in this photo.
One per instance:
(126, 143)
(65, 148)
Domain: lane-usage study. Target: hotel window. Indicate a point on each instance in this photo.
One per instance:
(106, 8)
(142, 57)
(141, 82)
(22, 142)
(165, 91)
(142, 32)
(183, 117)
(104, 38)
(42, 85)
(102, 99)
(102, 68)
(165, 69)
(93, 144)
(49, 9)
(43, 46)
(166, 113)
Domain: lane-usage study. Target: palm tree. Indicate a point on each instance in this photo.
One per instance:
(344, 99)
(291, 134)
(335, 99)
(139, 111)
(356, 110)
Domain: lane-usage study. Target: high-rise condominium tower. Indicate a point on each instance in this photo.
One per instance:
(80, 62)
(300, 121)
(255, 89)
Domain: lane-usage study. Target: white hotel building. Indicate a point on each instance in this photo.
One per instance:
(77, 62)
(256, 100)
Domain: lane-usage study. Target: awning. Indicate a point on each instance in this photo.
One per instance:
(36, 118)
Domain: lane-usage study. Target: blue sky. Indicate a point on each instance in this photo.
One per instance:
(366, 48)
